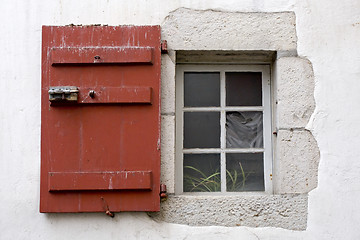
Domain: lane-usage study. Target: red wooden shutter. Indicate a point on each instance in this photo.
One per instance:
(100, 133)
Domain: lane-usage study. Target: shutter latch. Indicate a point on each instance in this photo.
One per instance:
(63, 93)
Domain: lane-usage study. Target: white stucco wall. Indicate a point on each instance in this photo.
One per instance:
(328, 34)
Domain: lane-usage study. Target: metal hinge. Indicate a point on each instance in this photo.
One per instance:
(163, 193)
(164, 46)
(106, 208)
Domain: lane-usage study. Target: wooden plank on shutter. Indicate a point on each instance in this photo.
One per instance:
(116, 95)
(101, 55)
(120, 180)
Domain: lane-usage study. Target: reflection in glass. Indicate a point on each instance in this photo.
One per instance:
(244, 130)
(243, 89)
(244, 172)
(201, 89)
(201, 129)
(202, 173)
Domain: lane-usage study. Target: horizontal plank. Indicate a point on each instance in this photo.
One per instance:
(118, 180)
(101, 55)
(115, 95)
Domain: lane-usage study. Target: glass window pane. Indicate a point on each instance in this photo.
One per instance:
(201, 89)
(244, 130)
(243, 89)
(244, 172)
(202, 173)
(201, 129)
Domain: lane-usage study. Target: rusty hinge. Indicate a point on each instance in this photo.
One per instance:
(164, 46)
(163, 193)
(106, 208)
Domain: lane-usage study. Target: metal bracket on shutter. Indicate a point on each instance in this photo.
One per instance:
(164, 46)
(106, 207)
(63, 93)
(163, 193)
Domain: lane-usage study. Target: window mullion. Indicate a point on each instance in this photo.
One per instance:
(267, 131)
(223, 133)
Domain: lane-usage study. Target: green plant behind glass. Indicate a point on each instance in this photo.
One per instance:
(235, 181)
(202, 183)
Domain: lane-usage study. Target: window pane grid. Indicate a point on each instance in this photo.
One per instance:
(223, 109)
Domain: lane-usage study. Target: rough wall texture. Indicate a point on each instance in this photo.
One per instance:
(296, 153)
(295, 92)
(167, 85)
(168, 122)
(297, 161)
(285, 211)
(168, 152)
(186, 29)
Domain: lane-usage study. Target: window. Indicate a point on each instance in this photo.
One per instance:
(223, 129)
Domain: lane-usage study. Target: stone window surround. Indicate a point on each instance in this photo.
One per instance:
(197, 36)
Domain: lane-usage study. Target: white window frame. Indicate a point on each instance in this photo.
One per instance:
(267, 131)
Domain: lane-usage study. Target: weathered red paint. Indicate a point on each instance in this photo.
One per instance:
(70, 181)
(105, 147)
(115, 95)
(98, 55)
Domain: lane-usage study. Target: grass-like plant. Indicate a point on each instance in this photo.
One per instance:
(236, 181)
(198, 181)
(203, 183)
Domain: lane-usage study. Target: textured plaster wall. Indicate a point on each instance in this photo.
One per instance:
(285, 211)
(204, 30)
(294, 92)
(296, 152)
(297, 160)
(168, 122)
(327, 34)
